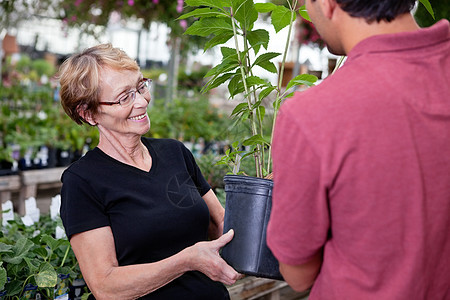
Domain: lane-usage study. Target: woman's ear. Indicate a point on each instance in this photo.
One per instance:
(86, 115)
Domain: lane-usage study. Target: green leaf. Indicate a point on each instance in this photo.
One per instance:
(218, 39)
(269, 66)
(277, 104)
(219, 80)
(245, 13)
(3, 278)
(290, 95)
(256, 140)
(254, 80)
(256, 105)
(304, 13)
(266, 57)
(241, 107)
(5, 248)
(33, 264)
(281, 17)
(201, 12)
(427, 5)
(14, 287)
(306, 79)
(264, 61)
(22, 246)
(220, 4)
(207, 26)
(235, 86)
(225, 66)
(265, 7)
(53, 243)
(214, 71)
(227, 51)
(19, 251)
(47, 276)
(258, 38)
(42, 252)
(265, 92)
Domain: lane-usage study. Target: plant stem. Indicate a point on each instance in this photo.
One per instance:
(278, 98)
(25, 282)
(247, 94)
(65, 256)
(338, 63)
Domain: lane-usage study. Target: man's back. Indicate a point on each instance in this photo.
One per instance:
(377, 134)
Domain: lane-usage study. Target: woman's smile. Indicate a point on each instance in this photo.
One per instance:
(138, 118)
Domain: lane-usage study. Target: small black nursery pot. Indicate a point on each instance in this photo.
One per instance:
(247, 212)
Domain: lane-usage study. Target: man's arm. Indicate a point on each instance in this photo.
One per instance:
(302, 277)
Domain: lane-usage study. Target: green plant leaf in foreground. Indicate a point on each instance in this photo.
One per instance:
(258, 38)
(201, 12)
(281, 17)
(218, 39)
(304, 13)
(306, 79)
(207, 26)
(5, 248)
(20, 250)
(246, 14)
(240, 108)
(3, 277)
(53, 243)
(427, 5)
(255, 140)
(47, 276)
(264, 61)
(220, 4)
(14, 288)
(265, 7)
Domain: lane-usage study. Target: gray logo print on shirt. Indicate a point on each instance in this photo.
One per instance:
(181, 191)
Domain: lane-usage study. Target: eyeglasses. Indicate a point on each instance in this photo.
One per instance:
(126, 100)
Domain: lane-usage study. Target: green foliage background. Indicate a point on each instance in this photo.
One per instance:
(441, 9)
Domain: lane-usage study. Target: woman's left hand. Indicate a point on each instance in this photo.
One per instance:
(205, 258)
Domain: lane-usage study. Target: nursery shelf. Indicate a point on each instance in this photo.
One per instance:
(27, 183)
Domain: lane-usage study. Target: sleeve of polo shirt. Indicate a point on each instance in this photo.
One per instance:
(299, 221)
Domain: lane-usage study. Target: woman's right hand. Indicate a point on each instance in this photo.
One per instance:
(205, 258)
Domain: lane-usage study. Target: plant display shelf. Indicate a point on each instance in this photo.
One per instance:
(27, 183)
(256, 288)
(8, 184)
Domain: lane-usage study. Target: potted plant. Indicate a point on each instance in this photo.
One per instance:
(33, 261)
(248, 198)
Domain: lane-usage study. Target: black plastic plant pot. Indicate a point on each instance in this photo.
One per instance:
(247, 212)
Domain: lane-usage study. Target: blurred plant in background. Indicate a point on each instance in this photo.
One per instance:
(187, 119)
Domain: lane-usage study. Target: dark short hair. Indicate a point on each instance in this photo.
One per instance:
(379, 10)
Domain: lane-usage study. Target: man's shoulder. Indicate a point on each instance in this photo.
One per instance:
(331, 91)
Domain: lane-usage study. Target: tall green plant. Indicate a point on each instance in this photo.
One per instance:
(234, 20)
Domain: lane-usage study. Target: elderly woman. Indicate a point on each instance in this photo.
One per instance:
(141, 219)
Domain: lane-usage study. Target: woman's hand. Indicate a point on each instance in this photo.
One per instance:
(206, 259)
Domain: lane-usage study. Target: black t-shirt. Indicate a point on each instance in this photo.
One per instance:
(152, 215)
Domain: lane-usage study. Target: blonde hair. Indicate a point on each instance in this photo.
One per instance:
(79, 77)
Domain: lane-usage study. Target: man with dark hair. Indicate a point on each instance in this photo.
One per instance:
(361, 200)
